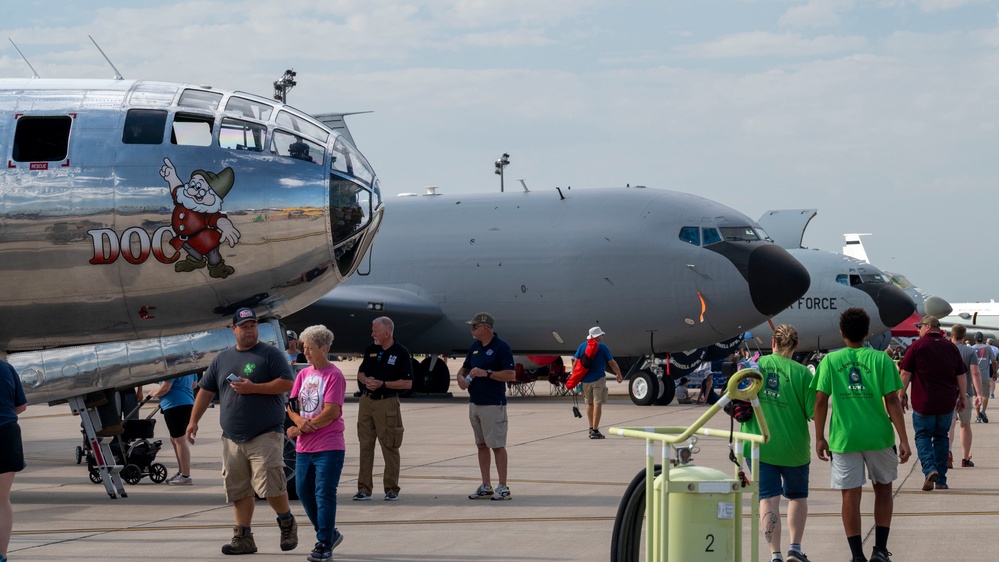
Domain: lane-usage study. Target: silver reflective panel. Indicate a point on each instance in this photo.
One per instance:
(115, 225)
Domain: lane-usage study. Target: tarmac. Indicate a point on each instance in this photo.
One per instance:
(566, 490)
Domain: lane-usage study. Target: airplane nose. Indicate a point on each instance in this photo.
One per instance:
(936, 306)
(775, 279)
(893, 304)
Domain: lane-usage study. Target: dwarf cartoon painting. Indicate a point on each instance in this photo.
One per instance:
(199, 225)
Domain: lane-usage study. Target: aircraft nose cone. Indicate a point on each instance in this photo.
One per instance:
(936, 306)
(893, 304)
(775, 279)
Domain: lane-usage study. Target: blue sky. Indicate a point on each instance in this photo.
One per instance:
(882, 114)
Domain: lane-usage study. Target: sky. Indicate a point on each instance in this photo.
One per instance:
(881, 114)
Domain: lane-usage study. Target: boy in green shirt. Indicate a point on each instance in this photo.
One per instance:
(787, 400)
(861, 383)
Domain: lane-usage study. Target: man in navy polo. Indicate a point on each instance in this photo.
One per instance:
(484, 374)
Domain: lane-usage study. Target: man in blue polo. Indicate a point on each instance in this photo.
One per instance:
(595, 380)
(484, 374)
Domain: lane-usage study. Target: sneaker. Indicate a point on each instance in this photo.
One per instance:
(502, 493)
(361, 497)
(966, 463)
(941, 487)
(242, 542)
(320, 553)
(978, 418)
(180, 480)
(337, 538)
(483, 492)
(880, 556)
(992, 395)
(859, 559)
(796, 556)
(950, 459)
(289, 533)
(930, 479)
(391, 497)
(985, 418)
(595, 434)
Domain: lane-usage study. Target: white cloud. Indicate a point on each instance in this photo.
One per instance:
(763, 44)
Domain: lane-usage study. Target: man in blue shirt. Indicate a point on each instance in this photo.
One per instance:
(484, 374)
(595, 381)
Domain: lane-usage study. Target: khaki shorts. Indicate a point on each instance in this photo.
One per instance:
(848, 468)
(489, 425)
(964, 416)
(254, 466)
(595, 392)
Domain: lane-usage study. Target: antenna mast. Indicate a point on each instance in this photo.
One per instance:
(117, 75)
(25, 59)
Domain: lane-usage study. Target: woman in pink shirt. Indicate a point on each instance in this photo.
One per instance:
(317, 414)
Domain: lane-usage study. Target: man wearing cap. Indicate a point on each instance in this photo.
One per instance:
(934, 367)
(987, 366)
(595, 380)
(251, 380)
(484, 374)
(295, 355)
(385, 371)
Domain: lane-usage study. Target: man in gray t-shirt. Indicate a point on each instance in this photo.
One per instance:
(975, 389)
(252, 380)
(987, 365)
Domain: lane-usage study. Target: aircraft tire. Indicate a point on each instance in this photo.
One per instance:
(627, 535)
(643, 388)
(421, 379)
(669, 391)
(438, 379)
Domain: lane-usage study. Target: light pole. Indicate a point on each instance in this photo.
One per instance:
(503, 162)
(283, 84)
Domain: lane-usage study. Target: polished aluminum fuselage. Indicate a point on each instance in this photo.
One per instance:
(94, 241)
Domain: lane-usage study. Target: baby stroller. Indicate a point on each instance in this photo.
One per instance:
(132, 449)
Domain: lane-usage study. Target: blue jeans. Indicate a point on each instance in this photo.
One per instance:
(932, 443)
(317, 476)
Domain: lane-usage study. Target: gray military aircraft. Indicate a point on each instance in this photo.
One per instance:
(137, 216)
(658, 270)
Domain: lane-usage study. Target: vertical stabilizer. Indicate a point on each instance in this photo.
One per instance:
(855, 246)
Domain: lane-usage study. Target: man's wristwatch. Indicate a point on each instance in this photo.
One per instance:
(489, 374)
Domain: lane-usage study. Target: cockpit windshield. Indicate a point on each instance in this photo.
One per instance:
(739, 234)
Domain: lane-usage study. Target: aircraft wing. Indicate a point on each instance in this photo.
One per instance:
(787, 227)
(351, 305)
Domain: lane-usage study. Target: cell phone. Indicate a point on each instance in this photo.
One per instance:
(232, 377)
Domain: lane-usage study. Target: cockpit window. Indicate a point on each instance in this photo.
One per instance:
(236, 134)
(192, 130)
(200, 99)
(872, 278)
(303, 126)
(691, 234)
(739, 234)
(347, 160)
(843, 279)
(294, 146)
(249, 108)
(763, 234)
(710, 236)
(899, 281)
(144, 126)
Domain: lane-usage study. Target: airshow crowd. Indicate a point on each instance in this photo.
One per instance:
(862, 393)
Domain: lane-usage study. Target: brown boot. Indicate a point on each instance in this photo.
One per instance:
(289, 533)
(220, 270)
(242, 542)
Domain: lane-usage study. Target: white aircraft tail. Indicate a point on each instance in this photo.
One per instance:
(855, 246)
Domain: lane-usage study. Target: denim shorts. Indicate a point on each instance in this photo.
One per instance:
(789, 481)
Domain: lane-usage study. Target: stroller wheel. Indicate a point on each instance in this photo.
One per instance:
(131, 474)
(157, 473)
(79, 454)
(95, 476)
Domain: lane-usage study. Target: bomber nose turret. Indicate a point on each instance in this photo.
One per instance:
(775, 278)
